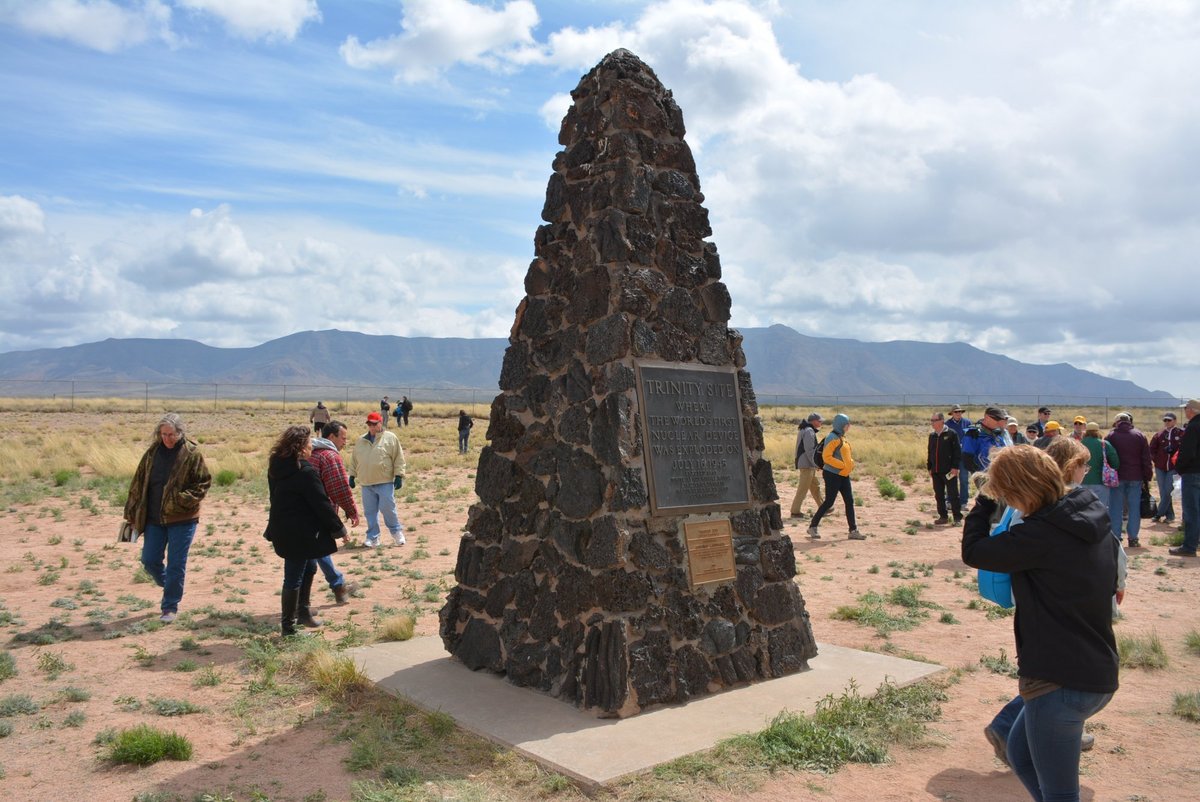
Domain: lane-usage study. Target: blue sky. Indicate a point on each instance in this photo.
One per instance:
(1021, 176)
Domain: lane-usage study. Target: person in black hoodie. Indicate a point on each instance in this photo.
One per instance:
(1062, 558)
(302, 524)
(942, 458)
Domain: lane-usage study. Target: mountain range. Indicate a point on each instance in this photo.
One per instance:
(781, 361)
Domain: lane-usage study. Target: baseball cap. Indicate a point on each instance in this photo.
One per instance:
(1012, 421)
(1122, 416)
(1053, 426)
(1043, 410)
(815, 416)
(374, 417)
(1092, 426)
(1169, 416)
(995, 412)
(1193, 404)
(1080, 419)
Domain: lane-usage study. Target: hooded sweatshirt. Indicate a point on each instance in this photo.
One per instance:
(1063, 562)
(836, 448)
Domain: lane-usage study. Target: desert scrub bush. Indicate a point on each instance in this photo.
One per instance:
(334, 675)
(999, 664)
(18, 704)
(52, 664)
(144, 746)
(870, 611)
(8, 665)
(1187, 706)
(1191, 642)
(6, 728)
(396, 627)
(1138, 651)
(845, 729)
(74, 694)
(172, 707)
(63, 475)
(225, 477)
(889, 489)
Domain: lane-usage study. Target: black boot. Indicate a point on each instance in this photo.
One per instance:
(287, 617)
(303, 613)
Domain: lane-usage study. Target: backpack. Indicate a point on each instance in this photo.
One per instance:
(819, 453)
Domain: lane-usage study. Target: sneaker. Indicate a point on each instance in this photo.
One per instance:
(813, 533)
(371, 544)
(998, 744)
(1180, 551)
(1155, 519)
(167, 617)
(958, 519)
(1135, 544)
(857, 535)
(399, 539)
(1086, 742)
(942, 521)
(799, 516)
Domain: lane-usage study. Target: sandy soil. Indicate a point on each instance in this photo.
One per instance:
(283, 749)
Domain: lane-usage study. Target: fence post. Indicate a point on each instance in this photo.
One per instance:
(214, 397)
(285, 398)
(147, 399)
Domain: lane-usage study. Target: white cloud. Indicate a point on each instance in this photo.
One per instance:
(258, 19)
(98, 24)
(20, 216)
(440, 33)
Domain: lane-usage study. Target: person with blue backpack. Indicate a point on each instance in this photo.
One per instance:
(836, 463)
(1062, 561)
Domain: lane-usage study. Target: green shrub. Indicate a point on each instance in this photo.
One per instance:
(889, 489)
(225, 477)
(8, 665)
(20, 703)
(1141, 651)
(61, 477)
(143, 746)
(1187, 705)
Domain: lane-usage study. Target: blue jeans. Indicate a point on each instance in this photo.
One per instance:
(463, 436)
(296, 571)
(173, 540)
(1127, 494)
(1191, 510)
(1004, 720)
(332, 575)
(1043, 746)
(380, 498)
(1166, 486)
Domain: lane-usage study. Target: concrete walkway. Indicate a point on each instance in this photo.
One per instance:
(595, 751)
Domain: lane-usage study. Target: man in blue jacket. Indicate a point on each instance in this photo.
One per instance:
(980, 439)
(958, 424)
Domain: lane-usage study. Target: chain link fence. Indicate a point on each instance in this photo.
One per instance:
(125, 396)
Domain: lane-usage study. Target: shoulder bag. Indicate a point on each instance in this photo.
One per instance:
(1108, 474)
(995, 586)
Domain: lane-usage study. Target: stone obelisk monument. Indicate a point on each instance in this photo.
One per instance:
(626, 548)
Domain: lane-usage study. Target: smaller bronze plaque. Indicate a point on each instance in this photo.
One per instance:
(709, 551)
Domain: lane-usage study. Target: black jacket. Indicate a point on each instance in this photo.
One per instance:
(1063, 562)
(944, 452)
(1188, 460)
(302, 523)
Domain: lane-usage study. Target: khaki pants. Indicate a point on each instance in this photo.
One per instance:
(808, 484)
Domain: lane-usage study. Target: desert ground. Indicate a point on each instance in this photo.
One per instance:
(86, 655)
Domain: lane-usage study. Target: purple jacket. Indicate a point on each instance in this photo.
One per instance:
(1163, 444)
(1134, 452)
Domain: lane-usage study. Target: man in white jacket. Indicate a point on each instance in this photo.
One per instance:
(377, 463)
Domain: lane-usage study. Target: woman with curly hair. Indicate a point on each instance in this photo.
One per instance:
(302, 524)
(1062, 559)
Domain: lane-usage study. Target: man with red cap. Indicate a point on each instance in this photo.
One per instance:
(377, 463)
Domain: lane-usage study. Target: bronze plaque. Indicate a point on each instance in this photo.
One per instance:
(709, 551)
(692, 430)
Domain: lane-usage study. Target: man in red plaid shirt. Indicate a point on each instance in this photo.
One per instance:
(328, 462)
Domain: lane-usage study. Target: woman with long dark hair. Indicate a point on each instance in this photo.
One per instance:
(1062, 559)
(302, 524)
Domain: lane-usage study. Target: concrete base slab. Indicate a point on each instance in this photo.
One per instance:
(595, 751)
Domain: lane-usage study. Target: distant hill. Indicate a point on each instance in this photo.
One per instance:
(781, 360)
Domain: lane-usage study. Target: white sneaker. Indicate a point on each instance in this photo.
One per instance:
(167, 618)
(813, 533)
(399, 539)
(371, 544)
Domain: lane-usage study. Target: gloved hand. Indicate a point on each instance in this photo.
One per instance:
(398, 482)
(352, 481)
